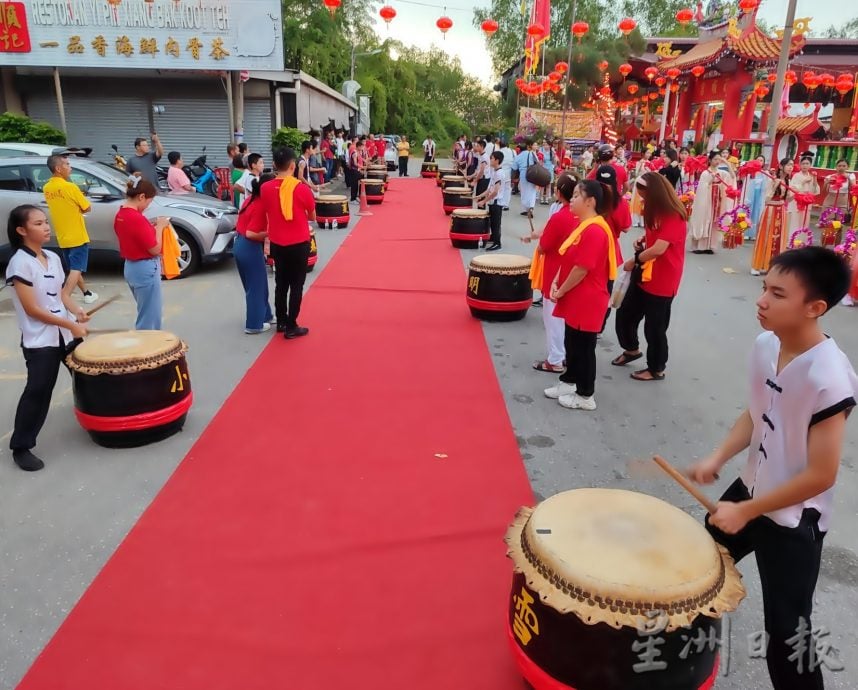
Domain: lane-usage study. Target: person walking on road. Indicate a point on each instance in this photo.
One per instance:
(67, 206)
(403, 148)
(252, 229)
(145, 163)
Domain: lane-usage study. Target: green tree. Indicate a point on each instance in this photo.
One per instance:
(19, 128)
(847, 30)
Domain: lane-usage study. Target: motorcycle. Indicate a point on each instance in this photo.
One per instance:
(118, 158)
(202, 176)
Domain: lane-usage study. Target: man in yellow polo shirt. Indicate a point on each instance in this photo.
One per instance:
(67, 205)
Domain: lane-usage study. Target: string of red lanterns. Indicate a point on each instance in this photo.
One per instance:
(489, 27)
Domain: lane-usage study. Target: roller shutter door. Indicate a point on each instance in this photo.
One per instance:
(188, 124)
(258, 128)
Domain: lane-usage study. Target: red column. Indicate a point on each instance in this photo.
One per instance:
(683, 114)
(736, 125)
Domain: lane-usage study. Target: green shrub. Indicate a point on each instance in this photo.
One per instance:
(288, 137)
(21, 129)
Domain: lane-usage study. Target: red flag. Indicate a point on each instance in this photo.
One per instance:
(540, 13)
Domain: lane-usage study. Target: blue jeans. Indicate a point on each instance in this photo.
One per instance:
(329, 169)
(144, 279)
(250, 260)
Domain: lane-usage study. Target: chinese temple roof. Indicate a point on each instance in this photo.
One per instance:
(751, 45)
(805, 124)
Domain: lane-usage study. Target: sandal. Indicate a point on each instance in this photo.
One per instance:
(548, 368)
(642, 375)
(625, 358)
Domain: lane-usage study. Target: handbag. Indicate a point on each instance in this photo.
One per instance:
(537, 174)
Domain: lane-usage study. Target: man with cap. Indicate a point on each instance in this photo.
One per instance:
(605, 156)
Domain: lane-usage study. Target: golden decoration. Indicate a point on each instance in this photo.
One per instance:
(799, 27)
(665, 51)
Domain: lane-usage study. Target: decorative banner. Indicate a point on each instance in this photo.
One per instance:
(578, 125)
(540, 14)
(216, 35)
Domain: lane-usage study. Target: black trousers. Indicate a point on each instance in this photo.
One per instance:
(482, 185)
(788, 560)
(640, 305)
(495, 217)
(608, 312)
(43, 366)
(580, 361)
(354, 182)
(290, 272)
(403, 165)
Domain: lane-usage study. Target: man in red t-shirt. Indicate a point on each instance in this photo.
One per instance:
(289, 212)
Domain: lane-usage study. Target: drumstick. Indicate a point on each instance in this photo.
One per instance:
(683, 481)
(109, 300)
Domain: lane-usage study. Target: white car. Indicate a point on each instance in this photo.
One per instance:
(13, 150)
(391, 155)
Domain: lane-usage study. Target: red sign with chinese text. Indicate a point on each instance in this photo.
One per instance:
(14, 32)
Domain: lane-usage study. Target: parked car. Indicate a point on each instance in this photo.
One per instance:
(12, 150)
(391, 155)
(206, 226)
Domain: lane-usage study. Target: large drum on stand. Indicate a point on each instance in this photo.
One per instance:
(468, 227)
(333, 210)
(429, 169)
(445, 172)
(131, 388)
(374, 190)
(453, 181)
(456, 197)
(313, 257)
(616, 590)
(499, 287)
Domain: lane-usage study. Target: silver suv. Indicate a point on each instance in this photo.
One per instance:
(206, 226)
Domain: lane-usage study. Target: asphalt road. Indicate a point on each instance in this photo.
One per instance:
(59, 526)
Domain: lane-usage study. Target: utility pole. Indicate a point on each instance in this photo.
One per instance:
(573, 11)
(777, 91)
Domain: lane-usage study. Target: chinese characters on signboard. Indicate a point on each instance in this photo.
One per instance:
(156, 34)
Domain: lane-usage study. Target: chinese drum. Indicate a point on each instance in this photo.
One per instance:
(377, 172)
(468, 226)
(314, 251)
(333, 210)
(429, 169)
(445, 172)
(616, 590)
(131, 388)
(374, 191)
(452, 181)
(499, 287)
(456, 197)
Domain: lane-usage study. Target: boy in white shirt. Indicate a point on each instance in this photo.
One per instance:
(494, 197)
(802, 390)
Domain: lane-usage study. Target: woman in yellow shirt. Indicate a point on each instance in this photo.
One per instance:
(404, 149)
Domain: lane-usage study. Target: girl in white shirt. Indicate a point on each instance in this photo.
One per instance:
(48, 329)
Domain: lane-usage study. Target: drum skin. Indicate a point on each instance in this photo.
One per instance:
(456, 197)
(570, 654)
(468, 228)
(332, 209)
(498, 295)
(314, 252)
(374, 191)
(444, 172)
(133, 409)
(429, 169)
(452, 181)
(376, 174)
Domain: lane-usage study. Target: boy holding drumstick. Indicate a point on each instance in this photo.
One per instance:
(802, 390)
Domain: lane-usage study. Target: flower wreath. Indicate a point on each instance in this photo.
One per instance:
(830, 216)
(847, 249)
(736, 219)
(803, 237)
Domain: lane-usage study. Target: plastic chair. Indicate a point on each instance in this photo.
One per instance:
(224, 183)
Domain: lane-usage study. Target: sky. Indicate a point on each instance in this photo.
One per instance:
(415, 25)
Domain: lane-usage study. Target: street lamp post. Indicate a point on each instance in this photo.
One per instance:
(357, 55)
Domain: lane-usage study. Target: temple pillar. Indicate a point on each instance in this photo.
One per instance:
(683, 113)
(738, 121)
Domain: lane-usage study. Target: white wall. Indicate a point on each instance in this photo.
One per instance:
(316, 108)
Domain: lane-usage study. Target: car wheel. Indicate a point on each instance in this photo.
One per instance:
(212, 187)
(190, 255)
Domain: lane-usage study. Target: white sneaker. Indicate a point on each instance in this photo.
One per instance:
(560, 389)
(254, 331)
(847, 301)
(754, 272)
(577, 402)
(90, 297)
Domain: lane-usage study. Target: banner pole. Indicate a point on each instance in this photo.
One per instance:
(562, 145)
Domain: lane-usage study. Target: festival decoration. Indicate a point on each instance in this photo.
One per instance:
(535, 30)
(762, 91)
(633, 89)
(555, 76)
(790, 77)
(684, 16)
(625, 69)
(653, 95)
(627, 25)
(733, 224)
(673, 73)
(603, 65)
(687, 197)
(827, 80)
(662, 91)
(831, 224)
(844, 85)
(674, 87)
(660, 81)
(698, 70)
(848, 247)
(387, 13)
(748, 5)
(651, 73)
(562, 67)
(810, 80)
(803, 200)
(772, 77)
(332, 6)
(580, 29)
(444, 24)
(802, 237)
(489, 27)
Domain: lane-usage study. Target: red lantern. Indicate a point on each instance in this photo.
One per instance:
(625, 69)
(673, 73)
(762, 91)
(843, 86)
(674, 87)
(332, 5)
(580, 29)
(536, 31)
(772, 77)
(810, 81)
(519, 82)
(555, 76)
(444, 24)
(651, 73)
(790, 77)
(387, 13)
(605, 91)
(698, 70)
(827, 80)
(653, 95)
(633, 89)
(555, 88)
(684, 16)
(662, 91)
(562, 67)
(660, 81)
(489, 26)
(627, 25)
(748, 5)
(603, 65)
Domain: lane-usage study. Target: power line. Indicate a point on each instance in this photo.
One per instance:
(442, 8)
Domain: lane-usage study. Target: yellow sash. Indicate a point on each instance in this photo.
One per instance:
(575, 238)
(646, 271)
(287, 190)
(170, 252)
(537, 270)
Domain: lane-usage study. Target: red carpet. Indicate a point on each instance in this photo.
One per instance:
(339, 524)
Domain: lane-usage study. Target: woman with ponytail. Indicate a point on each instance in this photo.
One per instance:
(617, 213)
(252, 229)
(580, 290)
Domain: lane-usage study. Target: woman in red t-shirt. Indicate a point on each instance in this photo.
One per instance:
(559, 226)
(140, 246)
(619, 217)
(587, 263)
(657, 271)
(252, 229)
